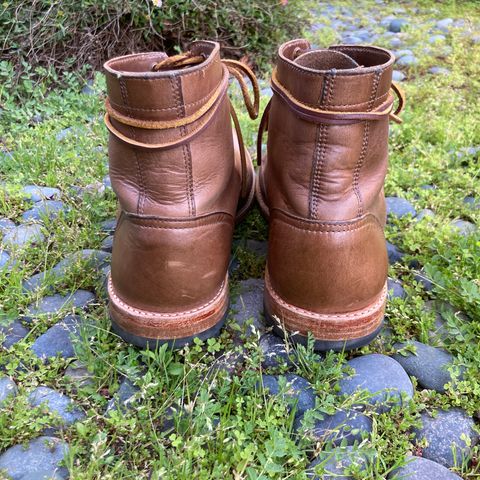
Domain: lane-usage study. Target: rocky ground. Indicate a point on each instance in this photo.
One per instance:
(76, 402)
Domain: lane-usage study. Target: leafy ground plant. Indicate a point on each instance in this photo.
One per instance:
(189, 416)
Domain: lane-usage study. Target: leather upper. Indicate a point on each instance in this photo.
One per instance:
(323, 182)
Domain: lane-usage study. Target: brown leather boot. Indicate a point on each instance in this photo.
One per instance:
(182, 177)
(322, 189)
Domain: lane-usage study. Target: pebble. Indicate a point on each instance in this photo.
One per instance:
(107, 244)
(443, 435)
(429, 365)
(396, 42)
(88, 88)
(395, 289)
(472, 202)
(23, 235)
(419, 468)
(14, 332)
(6, 224)
(399, 207)
(425, 213)
(381, 376)
(109, 226)
(43, 454)
(337, 464)
(58, 340)
(63, 134)
(8, 389)
(445, 25)
(53, 304)
(343, 427)
(407, 61)
(123, 398)
(95, 259)
(48, 208)
(463, 227)
(107, 182)
(35, 193)
(394, 253)
(398, 76)
(439, 71)
(421, 278)
(274, 352)
(402, 53)
(6, 261)
(57, 403)
(436, 38)
(298, 391)
(78, 374)
(352, 40)
(248, 305)
(396, 25)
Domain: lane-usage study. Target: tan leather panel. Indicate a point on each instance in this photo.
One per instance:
(170, 265)
(326, 267)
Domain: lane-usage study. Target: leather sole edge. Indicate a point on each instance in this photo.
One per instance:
(142, 327)
(331, 331)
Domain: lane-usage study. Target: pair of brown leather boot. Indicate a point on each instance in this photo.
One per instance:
(183, 178)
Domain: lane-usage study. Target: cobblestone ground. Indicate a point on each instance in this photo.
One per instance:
(76, 402)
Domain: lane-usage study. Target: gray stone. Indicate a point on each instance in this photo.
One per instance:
(95, 259)
(35, 193)
(42, 475)
(439, 71)
(352, 40)
(428, 365)
(258, 247)
(107, 244)
(13, 331)
(421, 278)
(6, 261)
(337, 464)
(6, 224)
(107, 182)
(23, 235)
(418, 468)
(425, 213)
(396, 42)
(463, 227)
(396, 25)
(399, 207)
(87, 89)
(402, 53)
(437, 38)
(444, 436)
(58, 340)
(78, 374)
(395, 289)
(274, 352)
(46, 209)
(382, 377)
(398, 76)
(248, 305)
(124, 398)
(445, 25)
(43, 454)
(394, 254)
(53, 304)
(407, 61)
(298, 392)
(472, 202)
(58, 404)
(8, 389)
(343, 427)
(109, 226)
(63, 134)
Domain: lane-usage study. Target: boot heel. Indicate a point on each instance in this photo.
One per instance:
(336, 332)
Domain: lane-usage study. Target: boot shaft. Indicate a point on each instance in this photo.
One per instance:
(193, 174)
(328, 170)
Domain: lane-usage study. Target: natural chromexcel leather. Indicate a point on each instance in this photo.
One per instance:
(321, 184)
(178, 203)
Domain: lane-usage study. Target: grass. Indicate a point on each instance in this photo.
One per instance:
(228, 428)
